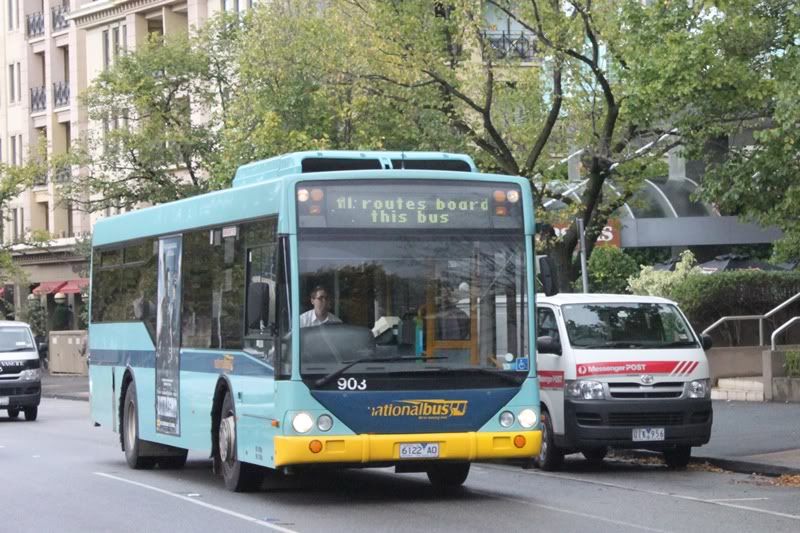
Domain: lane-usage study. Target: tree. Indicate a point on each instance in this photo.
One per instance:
(620, 82)
(761, 181)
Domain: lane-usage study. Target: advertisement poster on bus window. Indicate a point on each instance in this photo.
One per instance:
(168, 337)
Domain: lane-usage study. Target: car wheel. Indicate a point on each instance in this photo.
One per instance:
(238, 476)
(130, 432)
(678, 457)
(31, 413)
(448, 475)
(550, 457)
(595, 455)
(13, 413)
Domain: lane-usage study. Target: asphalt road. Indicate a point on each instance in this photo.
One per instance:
(61, 474)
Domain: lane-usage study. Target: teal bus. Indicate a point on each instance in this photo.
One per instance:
(329, 310)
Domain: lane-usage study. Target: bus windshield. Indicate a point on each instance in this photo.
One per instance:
(394, 302)
(628, 325)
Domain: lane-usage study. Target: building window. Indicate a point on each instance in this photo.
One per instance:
(13, 150)
(12, 86)
(19, 147)
(106, 50)
(19, 81)
(10, 14)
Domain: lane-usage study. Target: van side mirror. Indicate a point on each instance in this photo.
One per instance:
(546, 344)
(706, 341)
(547, 274)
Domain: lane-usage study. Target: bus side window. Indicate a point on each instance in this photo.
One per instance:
(260, 326)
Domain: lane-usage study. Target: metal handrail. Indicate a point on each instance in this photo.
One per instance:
(781, 328)
(760, 318)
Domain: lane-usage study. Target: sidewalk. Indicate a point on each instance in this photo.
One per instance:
(747, 437)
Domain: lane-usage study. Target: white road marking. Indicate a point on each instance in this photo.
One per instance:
(198, 502)
(530, 503)
(669, 494)
(737, 499)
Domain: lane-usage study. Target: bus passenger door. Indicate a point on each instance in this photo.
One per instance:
(168, 336)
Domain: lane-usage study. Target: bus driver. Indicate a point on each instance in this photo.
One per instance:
(319, 314)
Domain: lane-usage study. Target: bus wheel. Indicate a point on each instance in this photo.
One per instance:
(130, 432)
(678, 457)
(238, 476)
(31, 413)
(550, 456)
(13, 413)
(448, 475)
(595, 456)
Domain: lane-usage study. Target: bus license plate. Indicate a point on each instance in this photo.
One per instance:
(648, 434)
(3, 400)
(419, 450)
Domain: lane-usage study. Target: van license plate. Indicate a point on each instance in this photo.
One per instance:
(3, 400)
(648, 434)
(419, 450)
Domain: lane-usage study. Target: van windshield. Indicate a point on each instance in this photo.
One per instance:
(628, 325)
(15, 339)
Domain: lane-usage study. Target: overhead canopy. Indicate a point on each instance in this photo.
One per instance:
(74, 286)
(49, 287)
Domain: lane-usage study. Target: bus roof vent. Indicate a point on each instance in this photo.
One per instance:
(338, 160)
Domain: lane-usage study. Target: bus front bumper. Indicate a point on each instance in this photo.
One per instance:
(382, 449)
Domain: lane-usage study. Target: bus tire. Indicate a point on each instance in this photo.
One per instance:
(678, 457)
(13, 413)
(31, 413)
(130, 432)
(238, 476)
(448, 475)
(550, 457)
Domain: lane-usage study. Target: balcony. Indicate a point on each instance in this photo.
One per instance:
(38, 99)
(61, 94)
(62, 174)
(58, 17)
(34, 24)
(512, 45)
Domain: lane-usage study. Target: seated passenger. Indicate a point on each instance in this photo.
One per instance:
(319, 314)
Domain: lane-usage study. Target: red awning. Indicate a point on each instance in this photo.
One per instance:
(74, 286)
(49, 287)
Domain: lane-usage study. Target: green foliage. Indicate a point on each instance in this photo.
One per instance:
(792, 364)
(36, 316)
(609, 270)
(663, 283)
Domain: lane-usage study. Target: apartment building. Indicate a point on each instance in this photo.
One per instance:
(51, 50)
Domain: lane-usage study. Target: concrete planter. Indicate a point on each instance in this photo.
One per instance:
(786, 390)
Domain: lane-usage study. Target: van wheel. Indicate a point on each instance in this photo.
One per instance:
(595, 456)
(445, 476)
(31, 413)
(130, 432)
(13, 413)
(550, 457)
(678, 457)
(238, 476)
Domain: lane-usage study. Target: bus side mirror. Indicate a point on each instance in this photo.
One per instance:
(546, 344)
(706, 342)
(547, 274)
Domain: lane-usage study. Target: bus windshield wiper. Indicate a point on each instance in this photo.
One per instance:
(321, 382)
(502, 374)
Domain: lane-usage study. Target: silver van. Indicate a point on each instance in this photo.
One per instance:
(20, 372)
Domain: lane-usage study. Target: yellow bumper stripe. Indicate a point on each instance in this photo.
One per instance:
(386, 448)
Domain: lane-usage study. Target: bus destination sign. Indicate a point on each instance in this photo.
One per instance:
(411, 205)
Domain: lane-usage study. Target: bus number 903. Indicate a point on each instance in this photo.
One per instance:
(351, 384)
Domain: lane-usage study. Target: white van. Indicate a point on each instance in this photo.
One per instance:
(620, 371)
(20, 373)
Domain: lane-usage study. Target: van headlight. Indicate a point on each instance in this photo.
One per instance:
(698, 388)
(32, 374)
(584, 390)
(302, 422)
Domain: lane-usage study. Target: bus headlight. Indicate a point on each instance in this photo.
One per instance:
(506, 419)
(302, 422)
(324, 423)
(527, 418)
(584, 390)
(699, 388)
(33, 374)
